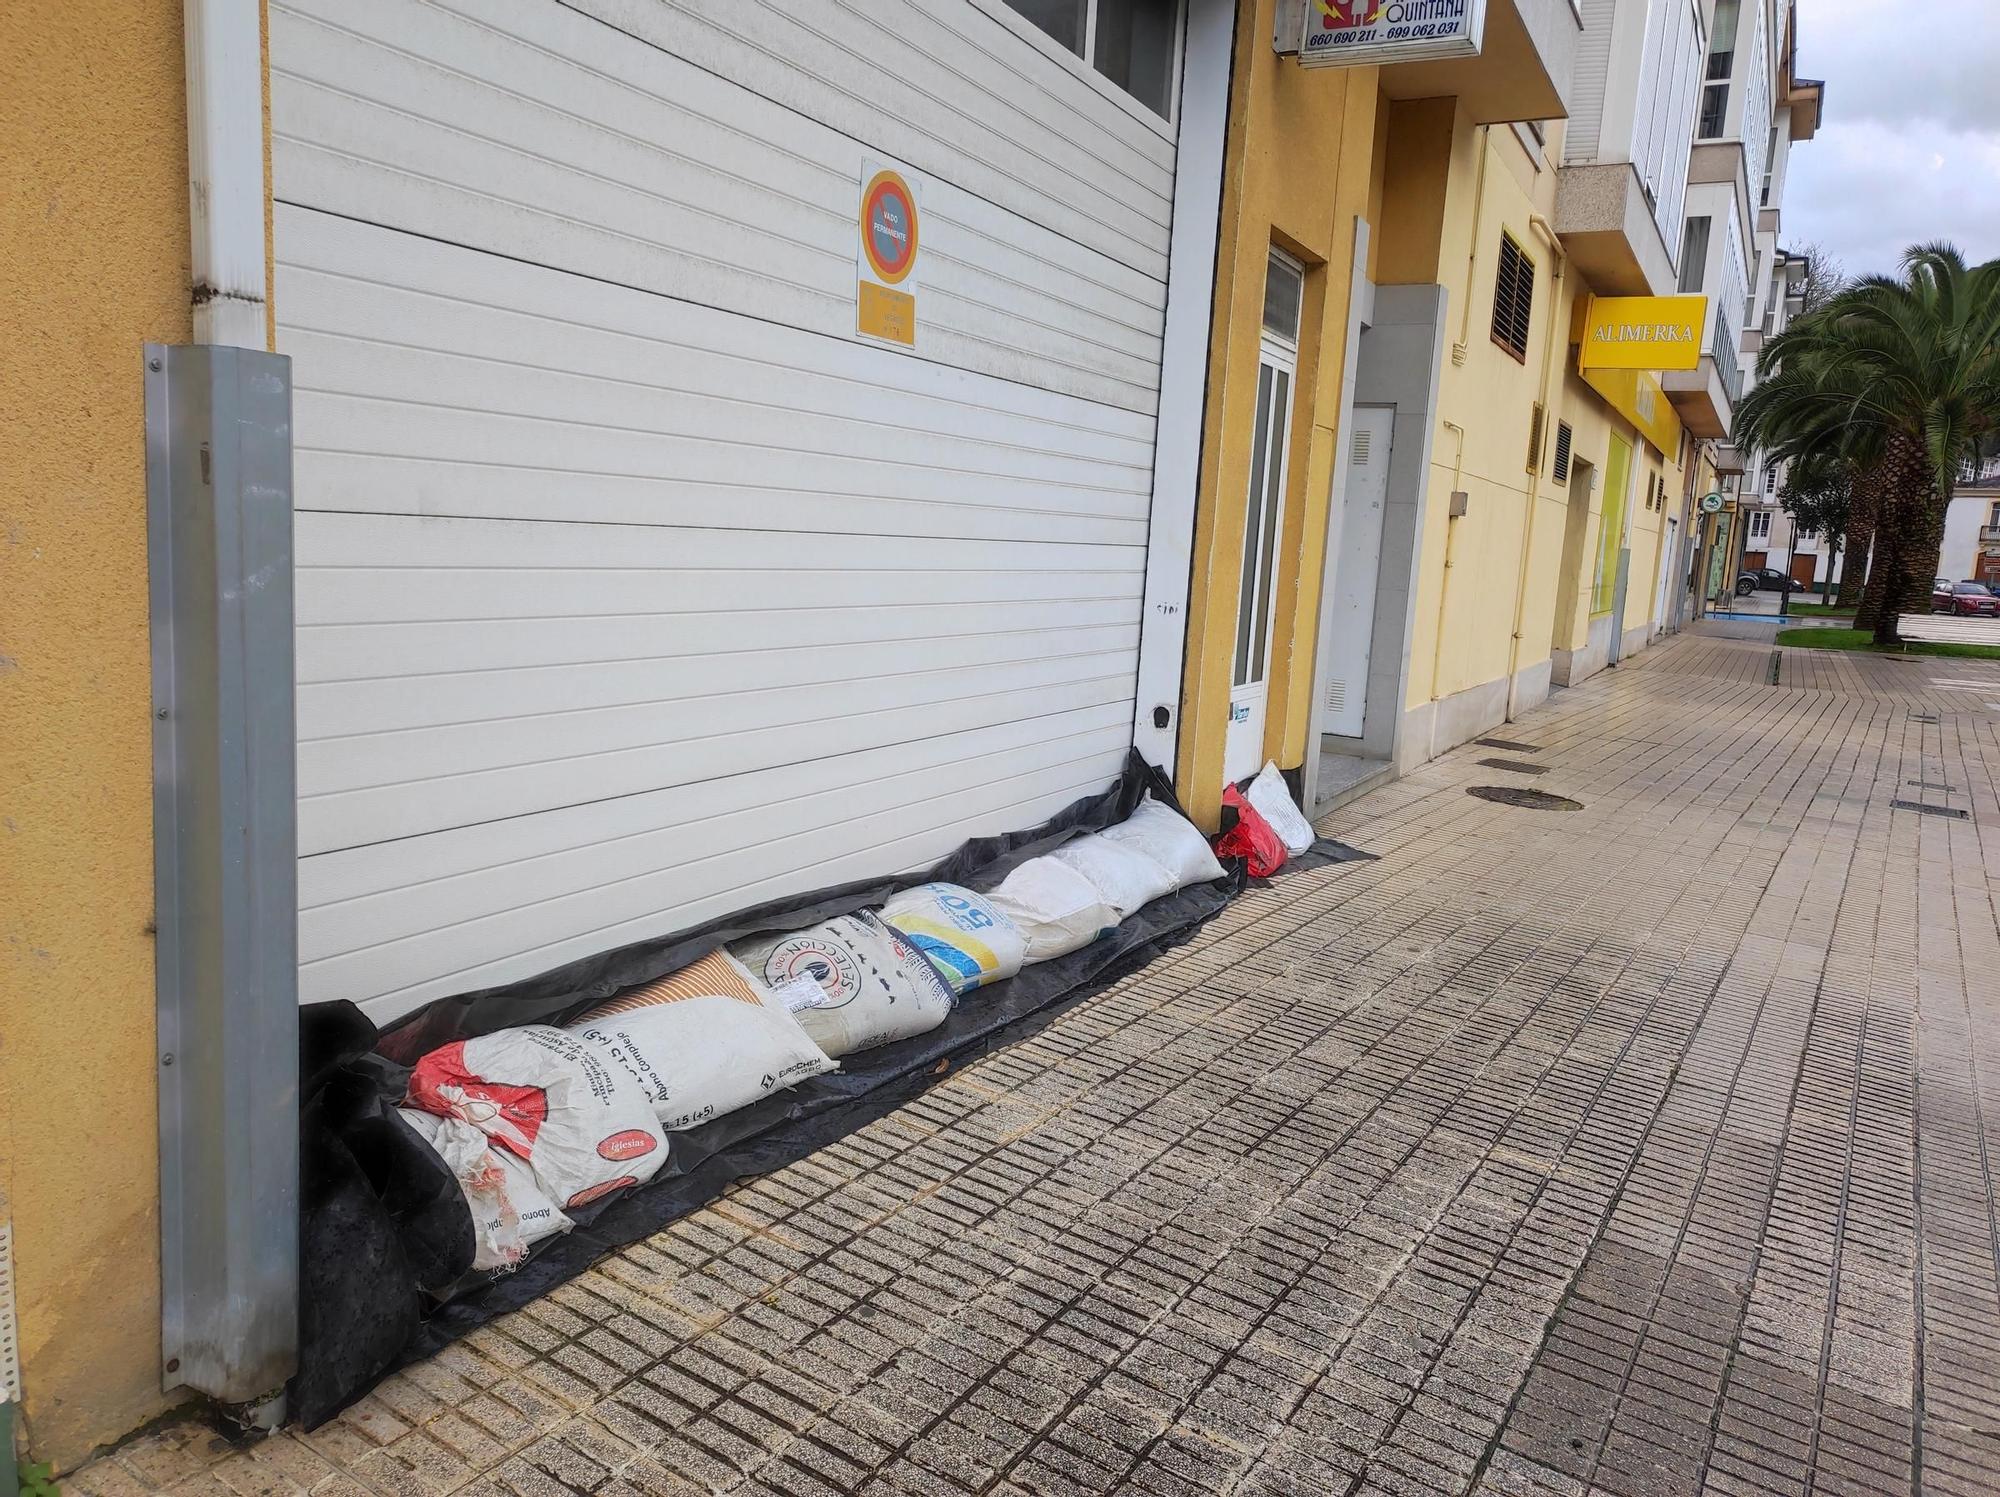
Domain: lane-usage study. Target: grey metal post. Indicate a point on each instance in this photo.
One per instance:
(219, 513)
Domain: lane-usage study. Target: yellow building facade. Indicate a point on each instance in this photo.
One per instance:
(95, 234)
(1468, 520)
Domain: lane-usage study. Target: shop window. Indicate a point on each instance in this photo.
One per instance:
(1513, 298)
(1131, 42)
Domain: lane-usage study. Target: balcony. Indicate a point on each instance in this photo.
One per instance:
(1522, 72)
(1706, 396)
(1989, 535)
(1609, 232)
(1729, 459)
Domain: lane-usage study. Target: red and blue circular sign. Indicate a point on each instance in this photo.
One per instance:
(889, 226)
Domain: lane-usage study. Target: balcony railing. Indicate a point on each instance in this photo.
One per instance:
(1989, 533)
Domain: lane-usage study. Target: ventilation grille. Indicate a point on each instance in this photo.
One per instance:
(1360, 445)
(1336, 696)
(1513, 298)
(1536, 424)
(1564, 436)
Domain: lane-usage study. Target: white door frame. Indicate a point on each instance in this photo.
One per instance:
(1263, 524)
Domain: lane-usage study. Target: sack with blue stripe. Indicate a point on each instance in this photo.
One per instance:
(970, 942)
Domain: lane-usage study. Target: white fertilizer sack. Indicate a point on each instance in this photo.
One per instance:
(875, 986)
(1056, 909)
(705, 1040)
(1273, 800)
(968, 940)
(510, 1212)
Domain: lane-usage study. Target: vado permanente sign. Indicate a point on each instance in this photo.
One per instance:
(1347, 33)
(1643, 332)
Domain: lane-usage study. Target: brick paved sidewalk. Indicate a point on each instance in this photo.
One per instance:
(1637, 1149)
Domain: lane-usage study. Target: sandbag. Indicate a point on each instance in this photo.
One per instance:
(510, 1211)
(968, 940)
(875, 986)
(1125, 877)
(1252, 838)
(1273, 799)
(1169, 839)
(581, 1121)
(705, 1040)
(1056, 909)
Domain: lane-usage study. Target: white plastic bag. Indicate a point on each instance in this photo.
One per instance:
(967, 939)
(875, 986)
(1125, 878)
(1273, 800)
(1169, 839)
(510, 1212)
(581, 1122)
(704, 1041)
(1056, 909)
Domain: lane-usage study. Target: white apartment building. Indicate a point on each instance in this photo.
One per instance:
(1753, 109)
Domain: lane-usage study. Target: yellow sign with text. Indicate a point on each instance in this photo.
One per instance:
(1639, 398)
(1643, 332)
(883, 313)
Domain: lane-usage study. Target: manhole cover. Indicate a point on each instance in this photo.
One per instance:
(1509, 744)
(1516, 766)
(1527, 800)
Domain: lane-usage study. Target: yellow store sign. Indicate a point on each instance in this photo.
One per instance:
(1639, 398)
(1643, 332)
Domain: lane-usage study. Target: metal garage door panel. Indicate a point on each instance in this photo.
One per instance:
(633, 587)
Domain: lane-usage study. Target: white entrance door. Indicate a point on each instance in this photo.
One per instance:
(1264, 518)
(1669, 568)
(1357, 567)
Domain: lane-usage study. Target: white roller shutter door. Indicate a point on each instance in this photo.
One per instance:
(633, 586)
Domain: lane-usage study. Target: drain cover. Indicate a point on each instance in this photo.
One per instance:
(1527, 800)
(1923, 717)
(1930, 785)
(1923, 810)
(1517, 766)
(1509, 744)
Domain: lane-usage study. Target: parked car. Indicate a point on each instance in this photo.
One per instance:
(1765, 579)
(1967, 599)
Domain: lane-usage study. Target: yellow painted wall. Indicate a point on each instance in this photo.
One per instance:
(1499, 570)
(94, 235)
(1297, 174)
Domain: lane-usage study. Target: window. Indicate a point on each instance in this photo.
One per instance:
(1771, 478)
(1760, 524)
(1131, 42)
(1513, 298)
(1694, 254)
(1770, 165)
(1721, 63)
(1284, 283)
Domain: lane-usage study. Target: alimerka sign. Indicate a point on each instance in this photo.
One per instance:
(1643, 332)
(1347, 33)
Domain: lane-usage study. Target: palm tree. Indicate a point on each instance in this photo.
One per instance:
(1902, 376)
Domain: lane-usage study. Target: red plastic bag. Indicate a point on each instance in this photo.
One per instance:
(1252, 838)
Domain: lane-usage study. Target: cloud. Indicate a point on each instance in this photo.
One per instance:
(1910, 149)
(1866, 196)
(1904, 63)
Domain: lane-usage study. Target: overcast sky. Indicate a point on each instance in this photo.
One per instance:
(1910, 150)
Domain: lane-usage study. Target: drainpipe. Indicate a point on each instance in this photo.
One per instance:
(1459, 349)
(1444, 582)
(1547, 231)
(225, 105)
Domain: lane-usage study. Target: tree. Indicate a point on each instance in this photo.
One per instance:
(1904, 376)
(1825, 275)
(1818, 494)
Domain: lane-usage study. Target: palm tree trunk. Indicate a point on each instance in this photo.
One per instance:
(1860, 537)
(1905, 522)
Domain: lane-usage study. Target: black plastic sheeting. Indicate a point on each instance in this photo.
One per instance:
(385, 1238)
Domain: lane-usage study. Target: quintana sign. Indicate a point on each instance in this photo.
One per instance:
(885, 293)
(1347, 33)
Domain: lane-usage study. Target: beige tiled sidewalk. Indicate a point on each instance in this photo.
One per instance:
(1638, 1149)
